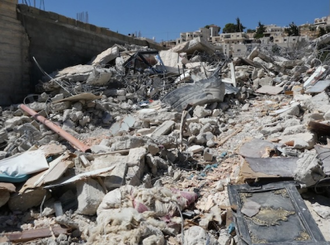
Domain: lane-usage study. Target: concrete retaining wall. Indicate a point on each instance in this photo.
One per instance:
(14, 61)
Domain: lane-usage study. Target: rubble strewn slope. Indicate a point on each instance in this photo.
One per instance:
(145, 147)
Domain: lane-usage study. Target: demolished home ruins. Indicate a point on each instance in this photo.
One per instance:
(180, 146)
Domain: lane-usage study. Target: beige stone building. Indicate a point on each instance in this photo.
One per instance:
(204, 33)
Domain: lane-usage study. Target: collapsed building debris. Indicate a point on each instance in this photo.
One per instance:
(152, 147)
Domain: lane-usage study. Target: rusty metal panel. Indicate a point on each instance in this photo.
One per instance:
(273, 214)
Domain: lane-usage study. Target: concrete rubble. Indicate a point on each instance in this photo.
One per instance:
(163, 135)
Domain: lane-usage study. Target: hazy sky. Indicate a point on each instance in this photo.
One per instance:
(164, 20)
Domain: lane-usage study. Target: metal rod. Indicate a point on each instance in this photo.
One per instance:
(75, 142)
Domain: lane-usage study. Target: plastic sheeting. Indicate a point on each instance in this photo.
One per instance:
(26, 163)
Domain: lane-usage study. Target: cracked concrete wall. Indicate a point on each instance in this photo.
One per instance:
(14, 62)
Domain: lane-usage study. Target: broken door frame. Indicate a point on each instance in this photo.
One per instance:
(301, 210)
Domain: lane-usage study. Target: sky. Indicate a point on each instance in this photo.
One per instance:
(165, 20)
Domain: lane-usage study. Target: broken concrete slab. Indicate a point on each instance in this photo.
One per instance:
(299, 141)
(309, 171)
(257, 148)
(266, 89)
(255, 168)
(314, 77)
(90, 194)
(165, 128)
(106, 56)
(74, 73)
(319, 87)
(197, 44)
(99, 77)
(323, 154)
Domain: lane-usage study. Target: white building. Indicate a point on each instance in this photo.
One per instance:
(204, 33)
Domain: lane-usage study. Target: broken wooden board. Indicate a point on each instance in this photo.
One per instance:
(320, 129)
(29, 235)
(56, 169)
(267, 89)
(281, 216)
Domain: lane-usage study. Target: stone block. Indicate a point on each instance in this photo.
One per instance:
(200, 112)
(208, 155)
(145, 131)
(164, 129)
(299, 141)
(194, 128)
(116, 177)
(12, 122)
(90, 195)
(24, 201)
(195, 149)
(153, 149)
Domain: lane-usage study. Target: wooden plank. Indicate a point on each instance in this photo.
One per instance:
(55, 171)
(28, 235)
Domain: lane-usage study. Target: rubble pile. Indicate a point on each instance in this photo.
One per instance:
(145, 147)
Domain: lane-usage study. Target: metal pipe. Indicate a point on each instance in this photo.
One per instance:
(75, 142)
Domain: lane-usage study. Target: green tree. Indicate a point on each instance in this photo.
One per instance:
(229, 28)
(292, 30)
(260, 30)
(239, 26)
(250, 30)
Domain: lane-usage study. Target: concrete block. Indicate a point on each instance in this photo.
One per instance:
(194, 128)
(200, 111)
(195, 149)
(12, 122)
(90, 195)
(308, 170)
(128, 143)
(300, 141)
(28, 199)
(153, 149)
(208, 155)
(294, 130)
(116, 177)
(163, 129)
(145, 131)
(100, 148)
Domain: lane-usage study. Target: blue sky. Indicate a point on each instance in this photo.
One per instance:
(164, 20)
